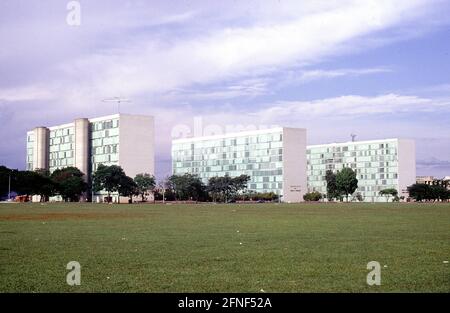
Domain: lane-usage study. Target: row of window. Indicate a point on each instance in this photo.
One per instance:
(62, 132)
(365, 153)
(215, 154)
(215, 161)
(62, 147)
(61, 155)
(99, 142)
(107, 124)
(227, 142)
(55, 163)
(62, 140)
(276, 146)
(105, 133)
(276, 187)
(356, 147)
(380, 158)
(102, 158)
(105, 149)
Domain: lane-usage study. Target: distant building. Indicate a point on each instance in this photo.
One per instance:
(275, 159)
(431, 180)
(120, 139)
(379, 164)
(428, 180)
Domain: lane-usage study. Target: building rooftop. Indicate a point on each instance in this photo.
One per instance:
(94, 119)
(355, 142)
(230, 135)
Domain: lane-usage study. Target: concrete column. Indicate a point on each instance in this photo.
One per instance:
(82, 148)
(41, 148)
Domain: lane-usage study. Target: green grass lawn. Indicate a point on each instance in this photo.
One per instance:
(225, 248)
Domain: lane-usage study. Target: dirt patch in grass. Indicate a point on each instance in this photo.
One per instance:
(66, 216)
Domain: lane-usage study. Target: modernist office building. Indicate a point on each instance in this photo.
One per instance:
(379, 164)
(275, 159)
(120, 139)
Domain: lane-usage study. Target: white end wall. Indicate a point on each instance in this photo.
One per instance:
(40, 148)
(136, 144)
(406, 165)
(294, 164)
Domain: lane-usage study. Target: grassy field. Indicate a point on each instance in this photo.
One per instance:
(225, 248)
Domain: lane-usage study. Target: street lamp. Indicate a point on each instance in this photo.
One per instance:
(9, 186)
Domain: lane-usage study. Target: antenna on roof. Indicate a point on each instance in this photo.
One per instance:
(353, 137)
(118, 100)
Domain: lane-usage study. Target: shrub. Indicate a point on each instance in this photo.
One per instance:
(312, 196)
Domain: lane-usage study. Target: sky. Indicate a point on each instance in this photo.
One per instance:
(377, 69)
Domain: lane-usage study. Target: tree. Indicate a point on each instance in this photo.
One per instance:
(439, 193)
(196, 189)
(312, 196)
(8, 180)
(215, 187)
(187, 187)
(70, 184)
(419, 192)
(33, 183)
(346, 182)
(128, 187)
(145, 183)
(332, 191)
(26, 182)
(45, 185)
(239, 184)
(5, 174)
(224, 188)
(389, 192)
(107, 178)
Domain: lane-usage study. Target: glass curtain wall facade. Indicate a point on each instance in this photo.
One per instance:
(377, 165)
(87, 143)
(105, 143)
(30, 146)
(275, 159)
(260, 156)
(61, 147)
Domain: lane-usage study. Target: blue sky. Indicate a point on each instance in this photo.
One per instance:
(379, 69)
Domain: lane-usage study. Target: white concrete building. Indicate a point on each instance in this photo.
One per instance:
(121, 139)
(275, 159)
(379, 164)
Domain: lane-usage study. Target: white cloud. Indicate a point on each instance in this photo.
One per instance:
(351, 105)
(27, 93)
(307, 76)
(154, 65)
(244, 88)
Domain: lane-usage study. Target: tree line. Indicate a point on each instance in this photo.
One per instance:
(70, 185)
(190, 187)
(340, 185)
(344, 184)
(425, 192)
